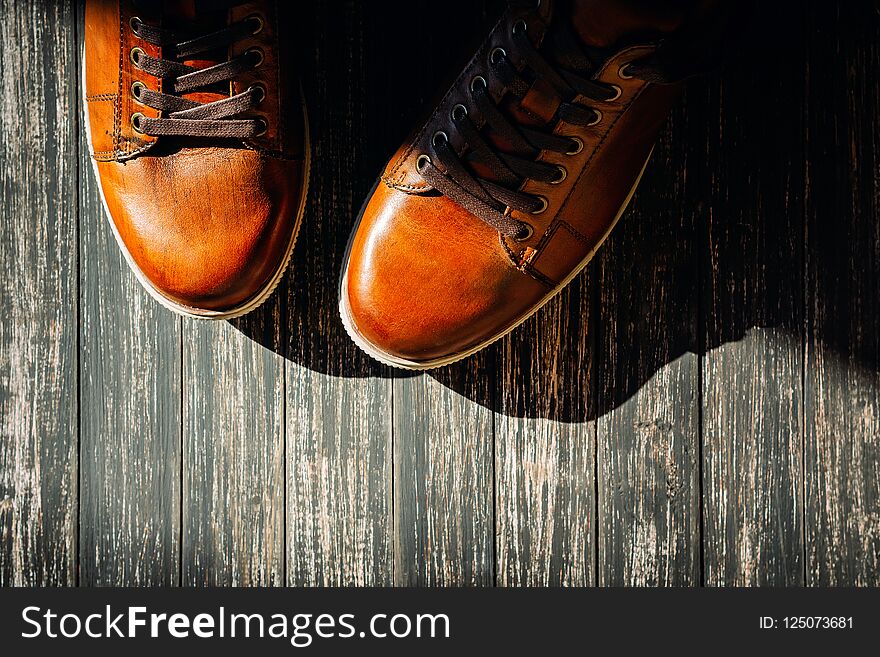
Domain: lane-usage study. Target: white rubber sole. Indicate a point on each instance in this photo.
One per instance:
(187, 311)
(388, 359)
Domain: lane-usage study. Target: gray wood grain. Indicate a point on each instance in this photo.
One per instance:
(545, 446)
(443, 477)
(842, 400)
(38, 283)
(338, 401)
(130, 420)
(233, 451)
(726, 339)
(752, 273)
(649, 433)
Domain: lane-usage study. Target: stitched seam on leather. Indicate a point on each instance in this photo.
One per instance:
(589, 161)
(100, 97)
(546, 237)
(525, 268)
(117, 110)
(538, 276)
(405, 188)
(550, 234)
(571, 231)
(574, 232)
(599, 147)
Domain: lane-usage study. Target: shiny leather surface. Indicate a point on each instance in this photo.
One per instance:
(426, 281)
(208, 224)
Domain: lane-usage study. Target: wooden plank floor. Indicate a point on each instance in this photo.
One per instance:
(701, 407)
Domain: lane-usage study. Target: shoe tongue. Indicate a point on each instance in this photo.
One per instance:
(604, 23)
(183, 11)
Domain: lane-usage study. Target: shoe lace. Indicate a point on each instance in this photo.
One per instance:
(487, 180)
(185, 117)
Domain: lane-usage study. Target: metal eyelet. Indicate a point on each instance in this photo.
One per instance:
(258, 53)
(527, 232)
(460, 114)
(422, 161)
(136, 122)
(263, 126)
(134, 23)
(621, 72)
(563, 174)
(261, 92)
(136, 89)
(255, 18)
(135, 54)
(439, 134)
(617, 92)
(543, 207)
(578, 146)
(597, 118)
(495, 51)
(519, 25)
(481, 79)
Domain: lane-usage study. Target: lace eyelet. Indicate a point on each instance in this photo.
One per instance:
(578, 146)
(262, 126)
(527, 231)
(135, 54)
(520, 25)
(422, 161)
(621, 72)
(136, 89)
(134, 23)
(136, 122)
(543, 207)
(440, 134)
(597, 119)
(481, 79)
(617, 92)
(260, 92)
(496, 51)
(258, 20)
(563, 174)
(458, 112)
(258, 54)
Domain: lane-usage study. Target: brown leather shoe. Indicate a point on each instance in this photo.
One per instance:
(516, 179)
(199, 141)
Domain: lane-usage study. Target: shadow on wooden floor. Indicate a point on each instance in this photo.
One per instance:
(753, 213)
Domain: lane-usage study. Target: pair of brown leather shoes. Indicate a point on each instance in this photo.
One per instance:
(199, 138)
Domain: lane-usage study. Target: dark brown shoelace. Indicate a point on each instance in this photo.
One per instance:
(182, 116)
(565, 66)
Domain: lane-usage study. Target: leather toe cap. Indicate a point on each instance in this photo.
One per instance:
(208, 228)
(426, 281)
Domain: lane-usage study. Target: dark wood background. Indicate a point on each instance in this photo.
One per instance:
(702, 406)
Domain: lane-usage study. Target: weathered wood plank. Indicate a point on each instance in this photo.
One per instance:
(38, 284)
(443, 477)
(545, 448)
(752, 280)
(842, 401)
(233, 451)
(648, 430)
(130, 420)
(339, 507)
